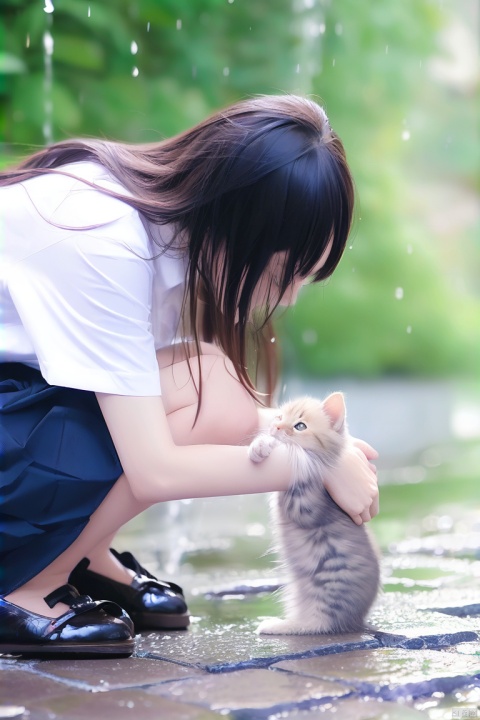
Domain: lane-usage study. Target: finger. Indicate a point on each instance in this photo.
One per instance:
(372, 467)
(366, 517)
(367, 449)
(375, 507)
(357, 519)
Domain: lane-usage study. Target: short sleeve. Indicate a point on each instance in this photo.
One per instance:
(85, 303)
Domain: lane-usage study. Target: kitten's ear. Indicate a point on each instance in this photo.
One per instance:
(334, 406)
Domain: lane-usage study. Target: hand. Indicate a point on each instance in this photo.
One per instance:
(353, 482)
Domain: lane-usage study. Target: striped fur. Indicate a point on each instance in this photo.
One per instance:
(332, 565)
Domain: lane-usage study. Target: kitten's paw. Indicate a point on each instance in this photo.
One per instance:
(277, 626)
(261, 447)
(273, 626)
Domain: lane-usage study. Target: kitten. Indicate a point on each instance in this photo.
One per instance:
(332, 563)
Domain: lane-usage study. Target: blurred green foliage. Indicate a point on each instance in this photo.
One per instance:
(406, 296)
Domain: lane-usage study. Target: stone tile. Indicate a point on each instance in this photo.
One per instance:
(357, 709)
(121, 705)
(21, 687)
(103, 675)
(411, 615)
(253, 689)
(223, 646)
(472, 648)
(384, 668)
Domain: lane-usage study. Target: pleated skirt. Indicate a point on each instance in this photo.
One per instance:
(57, 464)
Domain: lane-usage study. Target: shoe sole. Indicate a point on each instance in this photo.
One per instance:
(157, 621)
(70, 650)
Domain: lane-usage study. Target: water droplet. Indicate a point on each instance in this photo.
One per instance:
(226, 71)
(27, 41)
(409, 329)
(135, 71)
(309, 337)
(406, 135)
(48, 43)
(179, 24)
(89, 11)
(297, 69)
(386, 49)
(148, 27)
(48, 7)
(133, 47)
(272, 340)
(130, 704)
(399, 293)
(338, 29)
(333, 62)
(350, 247)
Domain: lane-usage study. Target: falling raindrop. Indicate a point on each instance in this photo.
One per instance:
(48, 43)
(297, 69)
(148, 27)
(48, 7)
(89, 11)
(323, 27)
(194, 71)
(409, 249)
(27, 41)
(399, 293)
(333, 62)
(406, 135)
(179, 24)
(133, 47)
(226, 71)
(47, 84)
(409, 329)
(135, 71)
(338, 29)
(386, 49)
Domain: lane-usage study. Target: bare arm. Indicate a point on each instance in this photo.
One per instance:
(158, 470)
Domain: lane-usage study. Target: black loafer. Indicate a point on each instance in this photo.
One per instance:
(151, 603)
(90, 629)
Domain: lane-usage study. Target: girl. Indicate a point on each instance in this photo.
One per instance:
(132, 276)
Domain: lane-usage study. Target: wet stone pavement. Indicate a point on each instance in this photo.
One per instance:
(421, 661)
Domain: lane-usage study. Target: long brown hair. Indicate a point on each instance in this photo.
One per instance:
(265, 175)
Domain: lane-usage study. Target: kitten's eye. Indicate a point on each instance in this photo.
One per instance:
(300, 426)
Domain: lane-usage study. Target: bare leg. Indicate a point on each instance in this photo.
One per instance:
(217, 423)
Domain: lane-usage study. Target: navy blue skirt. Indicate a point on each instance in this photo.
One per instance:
(57, 464)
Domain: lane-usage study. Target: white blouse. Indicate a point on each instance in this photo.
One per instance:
(85, 294)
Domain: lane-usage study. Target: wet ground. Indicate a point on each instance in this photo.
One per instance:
(422, 660)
